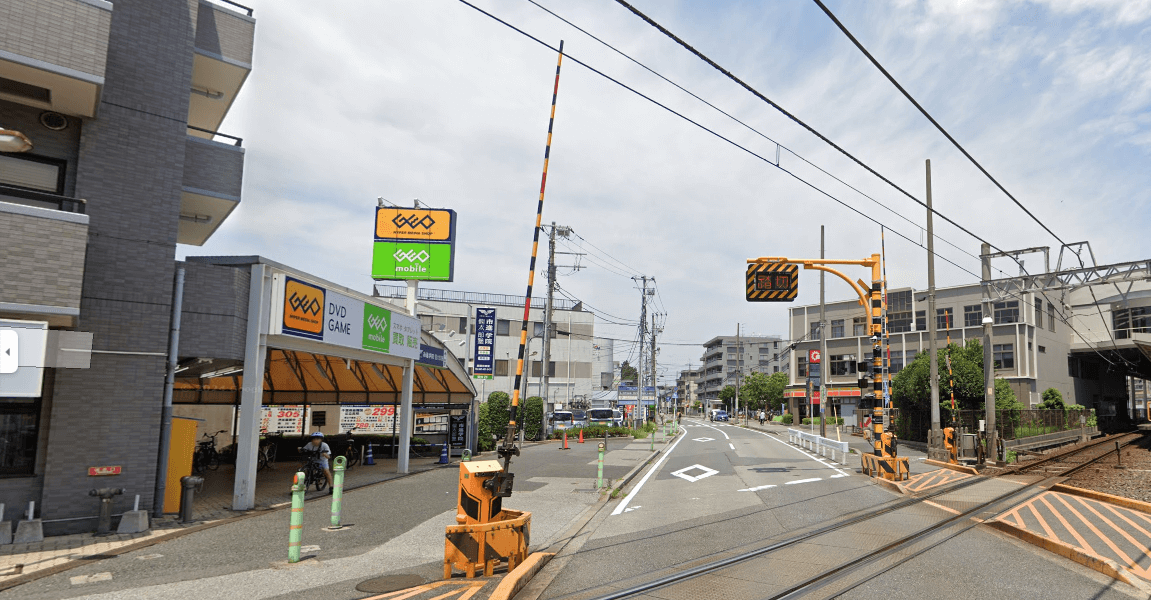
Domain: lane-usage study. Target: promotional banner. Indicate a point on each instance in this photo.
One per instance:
(288, 418)
(316, 313)
(368, 419)
(412, 243)
(483, 359)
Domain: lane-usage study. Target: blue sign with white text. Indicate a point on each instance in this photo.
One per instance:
(430, 356)
(483, 357)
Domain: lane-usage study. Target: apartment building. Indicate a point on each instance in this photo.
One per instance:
(727, 357)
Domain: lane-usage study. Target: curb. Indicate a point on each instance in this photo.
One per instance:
(943, 465)
(176, 533)
(1105, 566)
(520, 576)
(1139, 505)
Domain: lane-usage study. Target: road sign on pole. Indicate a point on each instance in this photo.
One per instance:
(772, 282)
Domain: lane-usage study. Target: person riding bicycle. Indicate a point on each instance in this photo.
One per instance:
(323, 453)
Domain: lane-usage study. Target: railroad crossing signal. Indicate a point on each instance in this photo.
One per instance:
(772, 282)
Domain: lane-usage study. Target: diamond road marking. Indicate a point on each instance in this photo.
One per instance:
(704, 439)
(682, 473)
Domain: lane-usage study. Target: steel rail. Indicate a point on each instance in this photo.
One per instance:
(1023, 468)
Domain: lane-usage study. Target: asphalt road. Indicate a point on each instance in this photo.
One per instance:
(396, 527)
(723, 489)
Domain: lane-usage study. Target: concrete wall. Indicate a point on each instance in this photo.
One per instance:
(131, 172)
(222, 32)
(69, 33)
(42, 256)
(214, 167)
(214, 320)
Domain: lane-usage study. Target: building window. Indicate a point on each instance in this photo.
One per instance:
(32, 172)
(859, 326)
(19, 424)
(1051, 316)
(426, 322)
(972, 316)
(1003, 356)
(814, 330)
(837, 328)
(921, 320)
(1043, 349)
(842, 364)
(944, 318)
(801, 366)
(899, 312)
(896, 362)
(503, 327)
(1039, 313)
(775, 369)
(1006, 312)
(1126, 321)
(502, 367)
(463, 324)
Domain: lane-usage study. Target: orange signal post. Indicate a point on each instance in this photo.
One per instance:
(872, 299)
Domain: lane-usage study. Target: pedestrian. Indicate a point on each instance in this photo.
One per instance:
(762, 416)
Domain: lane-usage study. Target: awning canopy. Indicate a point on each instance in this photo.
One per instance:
(296, 377)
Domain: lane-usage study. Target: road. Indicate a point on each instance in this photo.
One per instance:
(722, 490)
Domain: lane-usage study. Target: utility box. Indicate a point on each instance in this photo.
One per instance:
(181, 447)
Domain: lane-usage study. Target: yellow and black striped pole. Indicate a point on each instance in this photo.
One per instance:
(509, 449)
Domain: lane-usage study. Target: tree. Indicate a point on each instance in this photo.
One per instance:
(1053, 399)
(1005, 396)
(628, 373)
(532, 417)
(753, 392)
(727, 394)
(776, 383)
(911, 387)
(494, 417)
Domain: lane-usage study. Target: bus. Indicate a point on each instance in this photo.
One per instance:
(560, 420)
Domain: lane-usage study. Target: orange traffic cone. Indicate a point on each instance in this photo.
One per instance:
(565, 446)
(581, 436)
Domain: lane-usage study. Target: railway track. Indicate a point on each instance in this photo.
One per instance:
(706, 580)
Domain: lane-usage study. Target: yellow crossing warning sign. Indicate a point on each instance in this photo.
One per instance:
(772, 282)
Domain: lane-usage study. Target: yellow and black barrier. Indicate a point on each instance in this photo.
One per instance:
(892, 468)
(951, 445)
(486, 534)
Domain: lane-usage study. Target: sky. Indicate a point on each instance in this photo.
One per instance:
(431, 100)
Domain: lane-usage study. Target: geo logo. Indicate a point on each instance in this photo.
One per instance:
(303, 309)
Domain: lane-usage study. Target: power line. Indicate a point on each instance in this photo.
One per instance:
(776, 165)
(932, 119)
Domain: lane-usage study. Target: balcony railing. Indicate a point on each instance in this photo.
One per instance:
(41, 199)
(236, 141)
(481, 299)
(237, 5)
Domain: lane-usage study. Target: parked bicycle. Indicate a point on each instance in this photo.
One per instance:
(267, 454)
(350, 449)
(206, 456)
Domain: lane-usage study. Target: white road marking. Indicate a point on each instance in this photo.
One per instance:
(623, 505)
(757, 488)
(801, 451)
(804, 481)
(309, 548)
(731, 445)
(702, 439)
(725, 436)
(838, 476)
(682, 473)
(93, 578)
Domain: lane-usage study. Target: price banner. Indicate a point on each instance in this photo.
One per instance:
(368, 419)
(288, 418)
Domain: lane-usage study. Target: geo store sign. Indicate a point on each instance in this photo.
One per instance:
(313, 312)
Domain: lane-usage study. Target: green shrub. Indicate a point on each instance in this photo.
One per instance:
(786, 419)
(1052, 399)
(830, 420)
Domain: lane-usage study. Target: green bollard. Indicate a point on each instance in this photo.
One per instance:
(599, 475)
(296, 529)
(467, 455)
(340, 464)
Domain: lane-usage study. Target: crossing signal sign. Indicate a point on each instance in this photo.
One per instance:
(772, 282)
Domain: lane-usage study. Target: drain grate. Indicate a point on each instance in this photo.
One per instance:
(390, 583)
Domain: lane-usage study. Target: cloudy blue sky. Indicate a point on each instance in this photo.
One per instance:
(430, 99)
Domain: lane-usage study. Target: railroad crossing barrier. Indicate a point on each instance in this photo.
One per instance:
(819, 445)
(892, 468)
(486, 533)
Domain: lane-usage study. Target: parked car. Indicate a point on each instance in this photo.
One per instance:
(608, 417)
(721, 415)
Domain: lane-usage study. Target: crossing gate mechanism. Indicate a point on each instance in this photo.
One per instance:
(486, 533)
(772, 282)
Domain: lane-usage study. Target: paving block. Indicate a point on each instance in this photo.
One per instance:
(28, 532)
(5, 532)
(133, 521)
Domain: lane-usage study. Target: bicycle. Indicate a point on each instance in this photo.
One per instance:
(313, 472)
(206, 456)
(349, 450)
(267, 454)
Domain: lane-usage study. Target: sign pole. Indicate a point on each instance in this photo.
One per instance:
(822, 343)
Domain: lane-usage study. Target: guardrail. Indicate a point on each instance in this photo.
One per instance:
(819, 445)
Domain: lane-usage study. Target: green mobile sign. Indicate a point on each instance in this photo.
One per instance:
(377, 328)
(412, 260)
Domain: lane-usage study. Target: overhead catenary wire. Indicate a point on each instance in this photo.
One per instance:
(731, 142)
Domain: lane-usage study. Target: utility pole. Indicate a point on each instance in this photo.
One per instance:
(655, 387)
(642, 340)
(822, 344)
(547, 351)
(738, 359)
(935, 447)
(988, 364)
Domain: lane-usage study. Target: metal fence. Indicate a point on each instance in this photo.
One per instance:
(913, 424)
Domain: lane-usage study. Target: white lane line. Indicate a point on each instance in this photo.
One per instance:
(757, 488)
(801, 451)
(731, 445)
(623, 505)
(804, 481)
(725, 436)
(838, 476)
